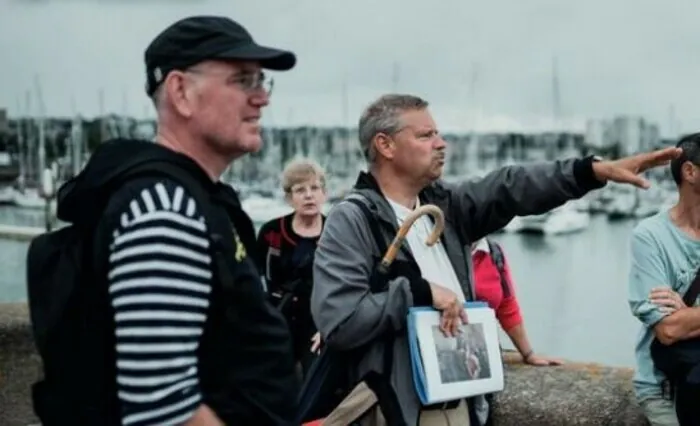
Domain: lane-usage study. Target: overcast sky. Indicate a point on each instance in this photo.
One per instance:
(487, 64)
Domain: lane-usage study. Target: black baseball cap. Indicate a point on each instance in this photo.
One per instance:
(198, 38)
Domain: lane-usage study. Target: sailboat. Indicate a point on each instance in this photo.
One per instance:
(30, 196)
(562, 220)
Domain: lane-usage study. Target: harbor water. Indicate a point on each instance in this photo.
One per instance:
(572, 288)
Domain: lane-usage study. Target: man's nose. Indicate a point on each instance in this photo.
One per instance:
(440, 143)
(260, 99)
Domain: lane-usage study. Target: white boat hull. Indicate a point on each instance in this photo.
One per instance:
(29, 199)
(263, 209)
(559, 221)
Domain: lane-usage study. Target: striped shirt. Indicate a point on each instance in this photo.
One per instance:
(159, 285)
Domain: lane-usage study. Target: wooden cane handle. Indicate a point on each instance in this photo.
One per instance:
(432, 239)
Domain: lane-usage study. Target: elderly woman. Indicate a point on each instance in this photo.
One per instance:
(286, 247)
(494, 285)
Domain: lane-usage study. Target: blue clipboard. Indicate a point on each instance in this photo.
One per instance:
(417, 369)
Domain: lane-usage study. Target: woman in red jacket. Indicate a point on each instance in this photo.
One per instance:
(498, 291)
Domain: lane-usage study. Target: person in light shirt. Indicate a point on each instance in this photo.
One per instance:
(663, 266)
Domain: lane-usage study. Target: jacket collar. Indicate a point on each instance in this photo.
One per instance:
(367, 184)
(436, 194)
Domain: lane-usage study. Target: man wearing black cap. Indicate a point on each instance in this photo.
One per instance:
(219, 120)
(196, 341)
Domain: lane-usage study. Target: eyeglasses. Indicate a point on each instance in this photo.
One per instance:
(301, 190)
(254, 81)
(248, 81)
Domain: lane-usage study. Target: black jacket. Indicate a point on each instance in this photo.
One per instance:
(246, 368)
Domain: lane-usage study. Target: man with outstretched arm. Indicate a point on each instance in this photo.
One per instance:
(406, 154)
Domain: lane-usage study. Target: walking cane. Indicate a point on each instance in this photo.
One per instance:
(432, 239)
(361, 399)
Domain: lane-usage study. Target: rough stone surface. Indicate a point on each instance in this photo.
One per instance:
(575, 394)
(19, 366)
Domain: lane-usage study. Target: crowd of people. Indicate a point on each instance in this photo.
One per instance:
(197, 319)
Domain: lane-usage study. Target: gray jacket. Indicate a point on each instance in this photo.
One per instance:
(349, 316)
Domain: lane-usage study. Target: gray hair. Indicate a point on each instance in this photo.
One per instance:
(384, 116)
(300, 170)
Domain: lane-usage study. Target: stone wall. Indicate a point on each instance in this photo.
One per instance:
(19, 366)
(574, 394)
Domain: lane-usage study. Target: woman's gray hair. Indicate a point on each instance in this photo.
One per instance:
(299, 170)
(384, 116)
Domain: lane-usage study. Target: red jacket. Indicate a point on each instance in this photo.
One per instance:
(488, 287)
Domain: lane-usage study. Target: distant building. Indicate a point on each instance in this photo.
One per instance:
(4, 123)
(598, 134)
(630, 134)
(459, 150)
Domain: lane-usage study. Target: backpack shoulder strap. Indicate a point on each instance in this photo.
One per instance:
(363, 203)
(372, 221)
(380, 387)
(202, 197)
(497, 257)
(693, 291)
(167, 169)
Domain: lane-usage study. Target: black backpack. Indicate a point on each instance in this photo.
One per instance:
(71, 317)
(680, 363)
(499, 261)
(288, 289)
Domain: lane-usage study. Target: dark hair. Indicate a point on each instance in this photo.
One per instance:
(690, 145)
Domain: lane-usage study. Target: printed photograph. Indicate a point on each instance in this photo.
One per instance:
(464, 357)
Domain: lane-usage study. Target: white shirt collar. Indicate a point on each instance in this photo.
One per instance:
(400, 210)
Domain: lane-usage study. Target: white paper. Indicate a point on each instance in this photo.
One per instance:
(462, 366)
